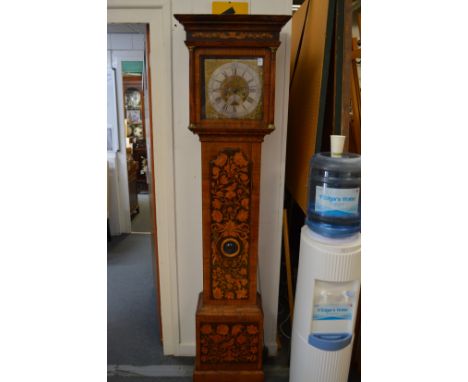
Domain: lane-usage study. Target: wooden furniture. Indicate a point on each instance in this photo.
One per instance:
(355, 125)
(311, 45)
(232, 89)
(136, 132)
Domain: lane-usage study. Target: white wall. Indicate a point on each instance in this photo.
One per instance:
(188, 181)
(125, 41)
(272, 178)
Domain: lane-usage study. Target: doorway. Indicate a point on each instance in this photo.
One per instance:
(129, 127)
(133, 292)
(157, 14)
(135, 125)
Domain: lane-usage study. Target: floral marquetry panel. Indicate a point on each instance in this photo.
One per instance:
(229, 343)
(230, 197)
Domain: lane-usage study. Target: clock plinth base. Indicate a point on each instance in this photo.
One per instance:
(229, 342)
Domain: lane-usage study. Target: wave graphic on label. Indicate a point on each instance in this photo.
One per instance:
(336, 213)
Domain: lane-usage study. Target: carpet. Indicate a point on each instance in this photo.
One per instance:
(141, 222)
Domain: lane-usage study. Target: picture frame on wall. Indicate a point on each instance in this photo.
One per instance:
(134, 116)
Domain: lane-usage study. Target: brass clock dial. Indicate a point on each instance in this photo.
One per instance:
(233, 88)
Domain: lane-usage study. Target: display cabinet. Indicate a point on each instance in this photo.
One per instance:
(135, 125)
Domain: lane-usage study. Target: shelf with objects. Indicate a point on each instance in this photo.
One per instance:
(135, 127)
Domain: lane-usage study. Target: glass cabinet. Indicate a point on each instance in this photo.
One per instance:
(135, 126)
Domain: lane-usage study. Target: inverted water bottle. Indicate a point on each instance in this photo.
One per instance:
(334, 208)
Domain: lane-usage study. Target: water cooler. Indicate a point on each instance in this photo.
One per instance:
(328, 281)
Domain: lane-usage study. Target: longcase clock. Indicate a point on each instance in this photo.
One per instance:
(232, 88)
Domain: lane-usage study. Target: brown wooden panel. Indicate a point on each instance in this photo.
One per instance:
(304, 96)
(229, 337)
(229, 343)
(231, 181)
(346, 70)
(228, 376)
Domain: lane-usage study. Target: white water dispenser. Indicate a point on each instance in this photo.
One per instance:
(329, 273)
(327, 294)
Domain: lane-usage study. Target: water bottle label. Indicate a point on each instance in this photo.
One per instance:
(333, 312)
(336, 201)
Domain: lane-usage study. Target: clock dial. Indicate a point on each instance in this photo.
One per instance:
(233, 88)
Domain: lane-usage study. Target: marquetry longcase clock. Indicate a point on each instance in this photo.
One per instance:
(232, 96)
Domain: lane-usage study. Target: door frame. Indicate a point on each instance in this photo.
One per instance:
(157, 13)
